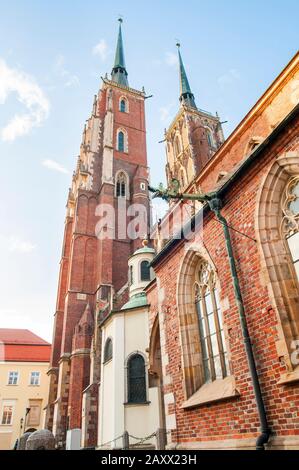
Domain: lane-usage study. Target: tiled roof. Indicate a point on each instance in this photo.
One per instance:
(23, 346)
(19, 336)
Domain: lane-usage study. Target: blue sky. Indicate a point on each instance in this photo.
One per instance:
(52, 54)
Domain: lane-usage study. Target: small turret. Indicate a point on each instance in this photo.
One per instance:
(140, 274)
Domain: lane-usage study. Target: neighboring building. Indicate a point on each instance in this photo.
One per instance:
(24, 383)
(111, 172)
(194, 319)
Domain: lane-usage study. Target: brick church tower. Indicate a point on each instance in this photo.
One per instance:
(110, 179)
(193, 136)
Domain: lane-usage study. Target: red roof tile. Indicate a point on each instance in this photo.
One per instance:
(23, 346)
(19, 336)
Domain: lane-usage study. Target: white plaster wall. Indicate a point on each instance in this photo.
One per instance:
(118, 375)
(135, 261)
(136, 332)
(106, 405)
(129, 333)
(143, 420)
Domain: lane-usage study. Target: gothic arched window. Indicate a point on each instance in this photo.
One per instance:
(121, 185)
(121, 141)
(108, 350)
(145, 274)
(213, 350)
(136, 379)
(210, 138)
(123, 105)
(290, 221)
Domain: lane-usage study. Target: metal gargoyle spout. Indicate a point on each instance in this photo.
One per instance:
(172, 192)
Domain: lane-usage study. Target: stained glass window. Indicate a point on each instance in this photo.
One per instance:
(145, 271)
(290, 223)
(213, 349)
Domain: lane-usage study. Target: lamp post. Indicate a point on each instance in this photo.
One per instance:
(215, 204)
(26, 413)
(21, 425)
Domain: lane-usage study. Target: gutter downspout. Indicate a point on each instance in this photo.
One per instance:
(216, 205)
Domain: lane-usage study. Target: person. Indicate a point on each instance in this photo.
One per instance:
(15, 447)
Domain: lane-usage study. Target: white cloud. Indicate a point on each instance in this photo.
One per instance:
(171, 59)
(166, 112)
(228, 78)
(52, 165)
(29, 94)
(70, 79)
(101, 49)
(17, 245)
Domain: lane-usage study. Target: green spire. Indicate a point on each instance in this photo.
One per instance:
(186, 95)
(119, 73)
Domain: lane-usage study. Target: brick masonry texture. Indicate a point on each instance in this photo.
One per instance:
(93, 274)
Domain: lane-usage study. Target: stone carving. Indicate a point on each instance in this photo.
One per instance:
(23, 440)
(41, 440)
(290, 208)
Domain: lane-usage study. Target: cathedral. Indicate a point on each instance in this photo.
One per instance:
(181, 335)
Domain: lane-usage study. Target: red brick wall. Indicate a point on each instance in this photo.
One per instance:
(88, 262)
(235, 418)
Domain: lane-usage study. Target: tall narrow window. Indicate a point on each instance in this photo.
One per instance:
(131, 275)
(145, 271)
(210, 138)
(214, 355)
(136, 379)
(123, 106)
(108, 350)
(121, 185)
(290, 223)
(121, 141)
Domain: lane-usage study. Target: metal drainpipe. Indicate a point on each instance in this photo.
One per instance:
(216, 205)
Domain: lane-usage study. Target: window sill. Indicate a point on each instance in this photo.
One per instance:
(220, 389)
(289, 377)
(137, 404)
